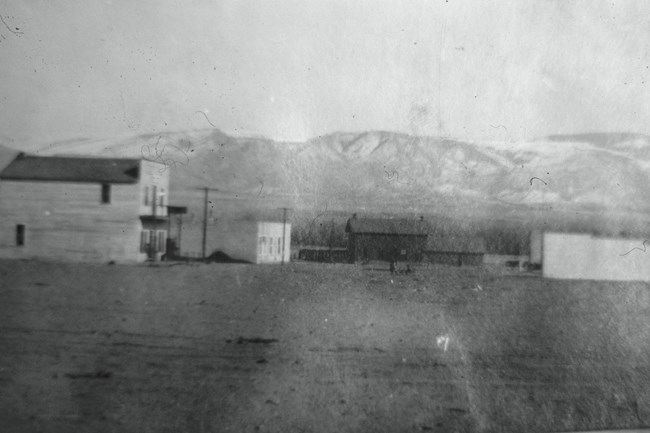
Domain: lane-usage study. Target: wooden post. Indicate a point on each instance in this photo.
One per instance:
(168, 254)
(152, 237)
(180, 231)
(284, 229)
(205, 219)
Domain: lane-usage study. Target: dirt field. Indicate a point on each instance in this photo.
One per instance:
(317, 348)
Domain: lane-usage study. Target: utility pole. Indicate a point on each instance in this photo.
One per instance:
(284, 230)
(205, 216)
(205, 219)
(152, 233)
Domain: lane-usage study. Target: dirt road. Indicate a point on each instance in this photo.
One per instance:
(317, 348)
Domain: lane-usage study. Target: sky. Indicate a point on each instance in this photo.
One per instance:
(296, 69)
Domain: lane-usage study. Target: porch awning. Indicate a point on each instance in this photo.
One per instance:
(175, 210)
(154, 219)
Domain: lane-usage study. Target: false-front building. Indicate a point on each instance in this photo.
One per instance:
(83, 209)
(250, 240)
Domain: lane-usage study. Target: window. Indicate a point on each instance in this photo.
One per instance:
(162, 241)
(20, 235)
(262, 245)
(279, 246)
(154, 240)
(106, 193)
(146, 196)
(270, 246)
(144, 241)
(162, 197)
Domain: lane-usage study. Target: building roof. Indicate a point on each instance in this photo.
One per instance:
(388, 226)
(454, 243)
(72, 169)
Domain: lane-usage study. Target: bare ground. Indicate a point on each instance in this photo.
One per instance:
(317, 348)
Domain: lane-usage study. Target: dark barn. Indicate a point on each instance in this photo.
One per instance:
(455, 250)
(386, 239)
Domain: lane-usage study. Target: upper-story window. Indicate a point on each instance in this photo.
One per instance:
(162, 197)
(20, 235)
(146, 196)
(106, 193)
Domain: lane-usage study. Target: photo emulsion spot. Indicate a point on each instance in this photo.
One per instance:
(325, 216)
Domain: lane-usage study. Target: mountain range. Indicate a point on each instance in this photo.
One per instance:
(583, 177)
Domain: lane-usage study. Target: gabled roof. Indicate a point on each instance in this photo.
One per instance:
(454, 243)
(72, 169)
(388, 226)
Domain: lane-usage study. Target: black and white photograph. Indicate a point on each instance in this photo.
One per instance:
(320, 216)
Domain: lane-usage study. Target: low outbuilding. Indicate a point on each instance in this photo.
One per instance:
(456, 250)
(251, 240)
(323, 254)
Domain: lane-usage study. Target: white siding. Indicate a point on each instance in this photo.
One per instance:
(273, 230)
(238, 239)
(583, 256)
(152, 175)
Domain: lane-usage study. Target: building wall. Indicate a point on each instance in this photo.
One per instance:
(583, 256)
(271, 250)
(67, 221)
(471, 259)
(240, 239)
(454, 259)
(362, 246)
(323, 254)
(503, 259)
(153, 176)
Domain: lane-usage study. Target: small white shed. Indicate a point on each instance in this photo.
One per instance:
(250, 240)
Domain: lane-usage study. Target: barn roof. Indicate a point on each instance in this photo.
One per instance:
(455, 243)
(72, 169)
(388, 226)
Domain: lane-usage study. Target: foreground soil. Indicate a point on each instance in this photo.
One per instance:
(317, 348)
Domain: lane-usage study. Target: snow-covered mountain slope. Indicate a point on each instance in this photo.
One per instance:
(395, 172)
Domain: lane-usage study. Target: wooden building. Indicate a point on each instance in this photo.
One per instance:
(251, 240)
(386, 239)
(323, 254)
(83, 209)
(454, 249)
